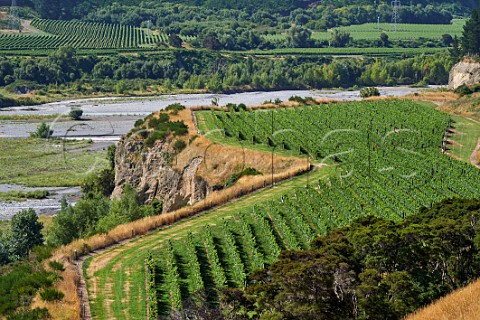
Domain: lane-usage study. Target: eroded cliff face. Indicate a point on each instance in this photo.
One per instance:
(183, 176)
(151, 171)
(466, 72)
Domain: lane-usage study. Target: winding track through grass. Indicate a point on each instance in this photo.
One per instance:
(117, 273)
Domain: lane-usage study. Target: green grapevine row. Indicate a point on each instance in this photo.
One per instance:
(82, 35)
(388, 163)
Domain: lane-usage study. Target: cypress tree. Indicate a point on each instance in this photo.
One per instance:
(471, 34)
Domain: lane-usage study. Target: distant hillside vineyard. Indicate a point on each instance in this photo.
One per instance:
(85, 35)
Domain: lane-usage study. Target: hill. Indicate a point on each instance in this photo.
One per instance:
(462, 304)
(268, 223)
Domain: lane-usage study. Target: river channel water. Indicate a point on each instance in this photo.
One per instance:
(107, 119)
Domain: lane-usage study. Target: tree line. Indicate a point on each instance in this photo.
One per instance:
(68, 9)
(213, 72)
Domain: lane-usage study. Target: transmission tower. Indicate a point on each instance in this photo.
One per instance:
(14, 23)
(396, 6)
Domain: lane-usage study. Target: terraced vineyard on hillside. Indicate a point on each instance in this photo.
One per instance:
(386, 160)
(82, 35)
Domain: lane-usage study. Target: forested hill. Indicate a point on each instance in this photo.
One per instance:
(67, 9)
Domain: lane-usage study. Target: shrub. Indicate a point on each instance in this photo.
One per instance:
(179, 128)
(27, 314)
(155, 122)
(237, 175)
(55, 265)
(139, 123)
(154, 136)
(235, 107)
(120, 87)
(179, 145)
(463, 90)
(75, 114)
(42, 252)
(103, 182)
(43, 131)
(175, 107)
(297, 99)
(369, 92)
(51, 294)
(192, 139)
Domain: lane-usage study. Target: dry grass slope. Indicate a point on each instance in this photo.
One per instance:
(463, 304)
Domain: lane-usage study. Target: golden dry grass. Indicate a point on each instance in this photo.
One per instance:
(219, 162)
(142, 226)
(467, 106)
(69, 307)
(463, 304)
(265, 106)
(437, 97)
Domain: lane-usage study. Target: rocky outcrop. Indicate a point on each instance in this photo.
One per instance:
(466, 72)
(151, 172)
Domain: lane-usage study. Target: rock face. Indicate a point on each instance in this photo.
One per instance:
(465, 72)
(151, 172)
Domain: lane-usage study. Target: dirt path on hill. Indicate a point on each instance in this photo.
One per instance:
(473, 157)
(110, 252)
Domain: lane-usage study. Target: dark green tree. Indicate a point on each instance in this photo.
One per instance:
(455, 51)
(340, 38)
(175, 41)
(64, 58)
(54, 9)
(384, 39)
(298, 37)
(447, 39)
(3, 252)
(471, 34)
(26, 233)
(211, 43)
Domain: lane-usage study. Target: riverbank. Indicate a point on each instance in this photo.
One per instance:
(106, 119)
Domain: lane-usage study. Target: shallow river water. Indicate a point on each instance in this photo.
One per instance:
(107, 119)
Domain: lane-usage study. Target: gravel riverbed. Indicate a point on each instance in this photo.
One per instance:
(107, 119)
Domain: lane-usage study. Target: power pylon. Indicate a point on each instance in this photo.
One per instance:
(395, 6)
(14, 23)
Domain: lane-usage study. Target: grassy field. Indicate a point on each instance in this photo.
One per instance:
(48, 163)
(371, 31)
(18, 117)
(23, 195)
(347, 51)
(465, 139)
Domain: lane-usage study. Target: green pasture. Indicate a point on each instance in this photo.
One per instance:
(48, 162)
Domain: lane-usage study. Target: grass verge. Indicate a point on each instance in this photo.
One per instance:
(464, 139)
(24, 195)
(48, 163)
(122, 263)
